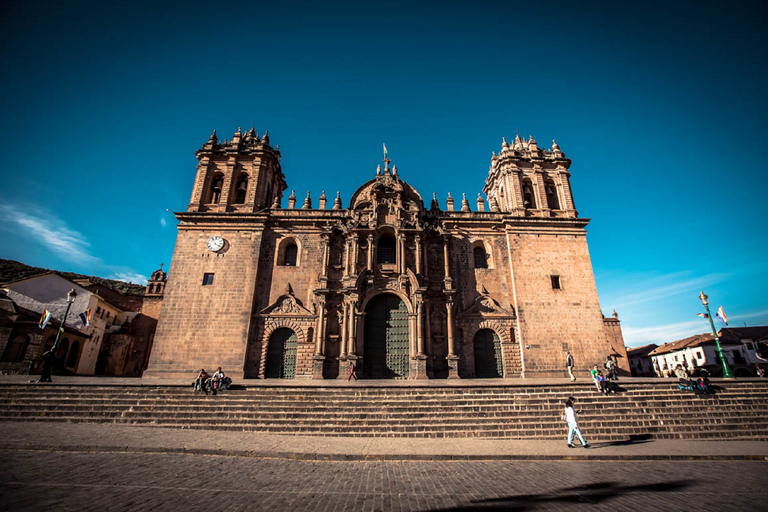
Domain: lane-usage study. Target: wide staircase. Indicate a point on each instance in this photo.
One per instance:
(739, 410)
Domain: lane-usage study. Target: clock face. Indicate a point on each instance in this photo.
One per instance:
(215, 243)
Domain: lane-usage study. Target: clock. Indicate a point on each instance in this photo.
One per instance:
(215, 243)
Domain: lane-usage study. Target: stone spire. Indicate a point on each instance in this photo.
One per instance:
(464, 203)
(504, 144)
(518, 143)
(292, 200)
(434, 205)
(265, 138)
(337, 201)
(480, 203)
(323, 200)
(307, 203)
(449, 202)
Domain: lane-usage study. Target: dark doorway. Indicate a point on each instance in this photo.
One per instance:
(386, 351)
(281, 354)
(488, 359)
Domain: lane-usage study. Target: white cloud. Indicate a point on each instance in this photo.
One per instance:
(163, 222)
(130, 277)
(54, 234)
(667, 286)
(50, 231)
(659, 334)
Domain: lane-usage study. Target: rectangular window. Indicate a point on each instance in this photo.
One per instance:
(555, 282)
(207, 279)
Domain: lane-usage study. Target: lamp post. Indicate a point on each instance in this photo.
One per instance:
(70, 300)
(726, 371)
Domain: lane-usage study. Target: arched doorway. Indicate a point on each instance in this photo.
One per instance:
(488, 358)
(386, 353)
(281, 354)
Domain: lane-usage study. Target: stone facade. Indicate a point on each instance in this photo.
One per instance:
(398, 288)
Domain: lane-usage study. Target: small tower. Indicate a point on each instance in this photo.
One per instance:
(526, 180)
(242, 175)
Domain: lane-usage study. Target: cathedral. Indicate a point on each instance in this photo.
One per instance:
(396, 286)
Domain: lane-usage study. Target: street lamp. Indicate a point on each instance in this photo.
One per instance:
(70, 300)
(726, 371)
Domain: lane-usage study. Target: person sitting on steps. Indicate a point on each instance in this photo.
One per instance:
(202, 382)
(219, 381)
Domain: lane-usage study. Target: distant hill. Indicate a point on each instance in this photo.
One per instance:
(13, 270)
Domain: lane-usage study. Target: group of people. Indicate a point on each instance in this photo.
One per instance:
(602, 382)
(685, 381)
(206, 382)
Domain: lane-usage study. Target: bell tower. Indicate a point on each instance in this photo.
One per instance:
(528, 181)
(241, 175)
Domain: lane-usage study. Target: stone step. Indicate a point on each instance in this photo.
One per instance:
(729, 431)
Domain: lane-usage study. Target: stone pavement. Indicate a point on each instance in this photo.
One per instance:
(139, 482)
(131, 438)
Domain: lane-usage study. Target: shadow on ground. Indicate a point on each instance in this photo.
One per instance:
(591, 494)
(633, 439)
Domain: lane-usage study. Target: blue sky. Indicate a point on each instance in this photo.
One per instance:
(661, 107)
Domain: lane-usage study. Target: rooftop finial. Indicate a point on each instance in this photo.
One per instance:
(337, 201)
(464, 203)
(307, 203)
(504, 144)
(265, 138)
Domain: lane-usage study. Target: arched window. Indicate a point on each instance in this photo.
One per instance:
(16, 349)
(291, 255)
(480, 257)
(74, 354)
(217, 183)
(529, 199)
(63, 349)
(288, 253)
(552, 201)
(386, 249)
(241, 189)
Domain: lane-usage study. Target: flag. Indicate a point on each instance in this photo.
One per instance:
(44, 319)
(702, 315)
(385, 150)
(85, 317)
(721, 315)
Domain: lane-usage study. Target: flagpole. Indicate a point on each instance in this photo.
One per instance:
(726, 371)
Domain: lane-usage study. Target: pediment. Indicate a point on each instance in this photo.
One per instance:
(486, 306)
(287, 305)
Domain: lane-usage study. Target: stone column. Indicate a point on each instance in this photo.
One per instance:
(353, 327)
(445, 256)
(449, 312)
(369, 262)
(453, 359)
(326, 245)
(343, 332)
(318, 361)
(346, 257)
(355, 254)
(418, 254)
(420, 327)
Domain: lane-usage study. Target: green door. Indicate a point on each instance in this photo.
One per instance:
(488, 360)
(386, 353)
(281, 354)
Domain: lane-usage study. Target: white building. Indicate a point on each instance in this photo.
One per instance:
(743, 347)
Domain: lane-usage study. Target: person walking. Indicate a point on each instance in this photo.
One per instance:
(352, 372)
(569, 365)
(570, 417)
